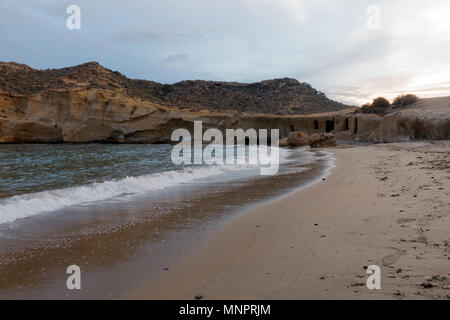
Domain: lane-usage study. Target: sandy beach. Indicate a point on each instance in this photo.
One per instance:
(385, 205)
(120, 244)
(193, 154)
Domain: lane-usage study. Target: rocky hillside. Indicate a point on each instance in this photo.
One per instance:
(278, 96)
(89, 103)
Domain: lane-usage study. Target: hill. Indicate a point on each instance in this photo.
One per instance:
(279, 96)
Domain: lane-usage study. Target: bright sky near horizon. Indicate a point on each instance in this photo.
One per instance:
(326, 43)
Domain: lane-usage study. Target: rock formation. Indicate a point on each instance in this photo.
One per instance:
(89, 103)
(316, 140)
(425, 119)
(322, 140)
(278, 96)
(298, 139)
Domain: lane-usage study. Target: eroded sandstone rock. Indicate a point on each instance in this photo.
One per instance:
(322, 140)
(426, 119)
(283, 143)
(93, 104)
(298, 139)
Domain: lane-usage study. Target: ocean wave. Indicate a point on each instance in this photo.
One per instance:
(26, 205)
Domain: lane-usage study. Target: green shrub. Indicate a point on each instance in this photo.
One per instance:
(378, 106)
(366, 107)
(405, 100)
(166, 88)
(380, 103)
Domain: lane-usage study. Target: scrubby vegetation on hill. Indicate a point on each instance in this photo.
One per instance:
(378, 106)
(382, 106)
(278, 96)
(405, 100)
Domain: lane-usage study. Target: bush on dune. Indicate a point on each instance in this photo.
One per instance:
(378, 106)
(381, 105)
(405, 100)
(366, 107)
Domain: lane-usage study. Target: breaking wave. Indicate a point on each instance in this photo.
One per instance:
(26, 205)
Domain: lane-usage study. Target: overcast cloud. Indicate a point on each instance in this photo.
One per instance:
(323, 42)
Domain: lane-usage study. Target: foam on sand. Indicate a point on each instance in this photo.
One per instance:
(26, 205)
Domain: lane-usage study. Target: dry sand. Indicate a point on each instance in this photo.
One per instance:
(385, 205)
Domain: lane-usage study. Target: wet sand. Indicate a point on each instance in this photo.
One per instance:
(121, 244)
(385, 205)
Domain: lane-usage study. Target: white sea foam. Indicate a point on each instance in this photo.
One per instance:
(26, 205)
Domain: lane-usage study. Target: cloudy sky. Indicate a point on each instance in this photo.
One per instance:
(333, 45)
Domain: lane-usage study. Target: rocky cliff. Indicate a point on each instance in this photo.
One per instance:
(98, 115)
(89, 103)
(425, 119)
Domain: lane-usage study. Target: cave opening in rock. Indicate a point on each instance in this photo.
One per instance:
(292, 127)
(346, 124)
(329, 126)
(316, 125)
(355, 126)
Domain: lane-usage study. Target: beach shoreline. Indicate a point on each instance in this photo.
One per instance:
(123, 242)
(385, 205)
